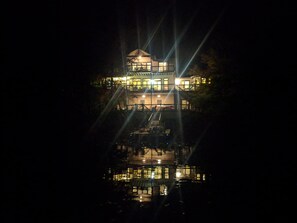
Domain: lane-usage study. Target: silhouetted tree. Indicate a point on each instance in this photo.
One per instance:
(215, 95)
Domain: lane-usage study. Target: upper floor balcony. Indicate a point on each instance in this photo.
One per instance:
(146, 67)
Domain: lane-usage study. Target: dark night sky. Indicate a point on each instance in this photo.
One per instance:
(94, 35)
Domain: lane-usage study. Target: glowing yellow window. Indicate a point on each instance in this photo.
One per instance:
(165, 86)
(162, 66)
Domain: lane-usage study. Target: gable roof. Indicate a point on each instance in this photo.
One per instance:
(138, 52)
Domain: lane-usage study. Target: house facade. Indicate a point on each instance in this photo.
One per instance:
(150, 83)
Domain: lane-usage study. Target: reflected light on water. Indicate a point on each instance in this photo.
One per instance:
(149, 171)
(144, 183)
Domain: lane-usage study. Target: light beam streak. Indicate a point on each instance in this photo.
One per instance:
(203, 41)
(111, 103)
(150, 38)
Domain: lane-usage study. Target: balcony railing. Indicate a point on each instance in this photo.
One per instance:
(162, 87)
(158, 107)
(149, 87)
(154, 69)
(153, 107)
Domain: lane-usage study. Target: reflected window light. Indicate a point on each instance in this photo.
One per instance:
(187, 171)
(134, 189)
(149, 190)
(198, 176)
(163, 189)
(139, 173)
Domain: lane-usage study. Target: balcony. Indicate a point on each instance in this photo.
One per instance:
(162, 87)
(149, 88)
(153, 69)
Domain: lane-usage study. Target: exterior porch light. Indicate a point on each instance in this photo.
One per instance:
(177, 81)
(178, 174)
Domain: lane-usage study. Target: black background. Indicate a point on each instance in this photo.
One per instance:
(52, 48)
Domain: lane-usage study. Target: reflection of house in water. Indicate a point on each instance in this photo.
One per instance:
(148, 181)
(152, 135)
(152, 169)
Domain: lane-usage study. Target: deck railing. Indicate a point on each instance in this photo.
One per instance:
(157, 87)
(147, 68)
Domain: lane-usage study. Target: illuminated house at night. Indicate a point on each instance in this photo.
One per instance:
(153, 83)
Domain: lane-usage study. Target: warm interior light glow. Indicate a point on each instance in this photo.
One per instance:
(151, 81)
(143, 96)
(159, 161)
(158, 96)
(178, 174)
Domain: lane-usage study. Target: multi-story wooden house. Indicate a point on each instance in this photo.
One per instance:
(151, 83)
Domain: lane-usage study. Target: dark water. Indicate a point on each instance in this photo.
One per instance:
(150, 177)
(157, 179)
(150, 186)
(178, 206)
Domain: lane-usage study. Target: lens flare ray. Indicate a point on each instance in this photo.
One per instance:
(203, 41)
